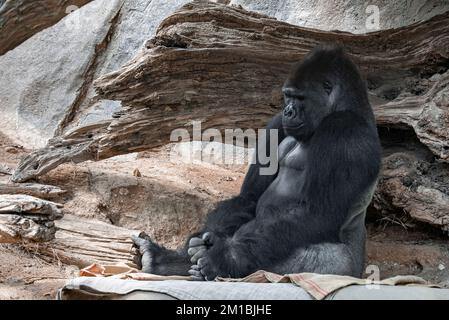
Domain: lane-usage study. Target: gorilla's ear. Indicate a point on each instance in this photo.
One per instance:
(328, 86)
(334, 97)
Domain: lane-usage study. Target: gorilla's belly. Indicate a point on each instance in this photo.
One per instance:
(284, 193)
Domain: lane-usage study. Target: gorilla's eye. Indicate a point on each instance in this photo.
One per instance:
(292, 93)
(327, 85)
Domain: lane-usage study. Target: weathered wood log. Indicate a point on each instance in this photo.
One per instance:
(4, 169)
(417, 186)
(16, 229)
(32, 189)
(225, 66)
(21, 19)
(23, 204)
(81, 242)
(27, 218)
(76, 146)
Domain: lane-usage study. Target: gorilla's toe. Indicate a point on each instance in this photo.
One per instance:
(137, 260)
(140, 243)
(141, 252)
(195, 273)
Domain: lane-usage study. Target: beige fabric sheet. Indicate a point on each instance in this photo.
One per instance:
(317, 285)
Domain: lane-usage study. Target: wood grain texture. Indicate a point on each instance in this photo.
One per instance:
(81, 242)
(26, 218)
(21, 19)
(32, 189)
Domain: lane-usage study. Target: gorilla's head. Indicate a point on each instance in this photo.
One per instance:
(326, 81)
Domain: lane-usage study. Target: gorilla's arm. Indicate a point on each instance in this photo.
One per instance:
(343, 162)
(233, 213)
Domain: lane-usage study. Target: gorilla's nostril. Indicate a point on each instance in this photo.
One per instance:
(289, 112)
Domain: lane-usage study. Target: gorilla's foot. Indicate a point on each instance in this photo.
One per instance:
(142, 252)
(155, 259)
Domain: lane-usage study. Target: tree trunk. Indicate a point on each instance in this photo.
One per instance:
(81, 242)
(225, 66)
(21, 19)
(32, 189)
(27, 218)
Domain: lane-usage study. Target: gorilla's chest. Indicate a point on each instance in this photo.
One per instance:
(285, 191)
(292, 155)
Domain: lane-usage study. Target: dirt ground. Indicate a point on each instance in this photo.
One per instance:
(169, 201)
(25, 275)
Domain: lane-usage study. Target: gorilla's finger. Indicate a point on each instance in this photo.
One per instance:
(197, 255)
(195, 267)
(194, 278)
(208, 238)
(202, 262)
(193, 250)
(195, 273)
(194, 242)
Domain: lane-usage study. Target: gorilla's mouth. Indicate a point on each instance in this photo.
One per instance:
(298, 126)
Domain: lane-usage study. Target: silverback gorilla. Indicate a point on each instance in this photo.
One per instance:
(310, 215)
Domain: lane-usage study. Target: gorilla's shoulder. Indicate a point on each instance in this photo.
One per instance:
(347, 123)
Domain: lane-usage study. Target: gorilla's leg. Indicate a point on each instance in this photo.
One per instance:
(324, 258)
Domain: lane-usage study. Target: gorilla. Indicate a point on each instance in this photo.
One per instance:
(310, 215)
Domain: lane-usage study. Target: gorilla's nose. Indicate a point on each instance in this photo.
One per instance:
(289, 112)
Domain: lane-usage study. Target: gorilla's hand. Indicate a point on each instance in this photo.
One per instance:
(142, 252)
(198, 246)
(197, 251)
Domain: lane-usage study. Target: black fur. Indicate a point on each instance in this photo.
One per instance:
(309, 216)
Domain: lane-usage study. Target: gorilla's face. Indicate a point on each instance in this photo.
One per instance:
(305, 108)
(309, 96)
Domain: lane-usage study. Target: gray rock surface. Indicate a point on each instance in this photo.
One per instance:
(40, 79)
(137, 23)
(46, 83)
(349, 15)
